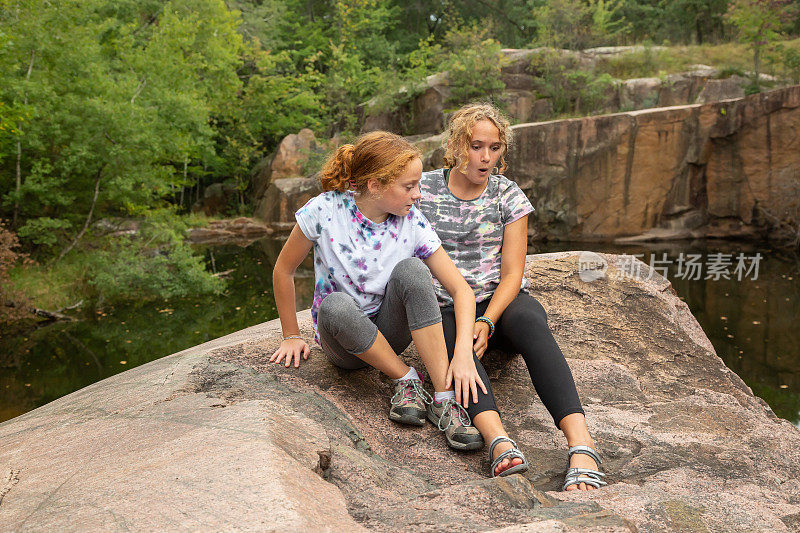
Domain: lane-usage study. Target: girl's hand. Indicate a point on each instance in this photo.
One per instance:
(291, 349)
(465, 378)
(480, 334)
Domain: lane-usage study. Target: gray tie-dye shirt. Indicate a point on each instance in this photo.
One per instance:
(472, 230)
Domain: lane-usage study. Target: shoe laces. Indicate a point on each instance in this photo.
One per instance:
(461, 416)
(411, 389)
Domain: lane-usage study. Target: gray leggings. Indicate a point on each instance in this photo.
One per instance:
(409, 303)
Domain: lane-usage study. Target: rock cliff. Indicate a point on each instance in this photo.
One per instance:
(216, 438)
(723, 169)
(727, 169)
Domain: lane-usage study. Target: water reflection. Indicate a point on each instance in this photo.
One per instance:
(751, 323)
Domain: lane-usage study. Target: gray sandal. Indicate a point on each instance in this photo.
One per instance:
(576, 476)
(510, 454)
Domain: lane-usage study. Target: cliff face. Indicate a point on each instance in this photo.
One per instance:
(720, 169)
(217, 438)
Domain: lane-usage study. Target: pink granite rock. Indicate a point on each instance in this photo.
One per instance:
(217, 438)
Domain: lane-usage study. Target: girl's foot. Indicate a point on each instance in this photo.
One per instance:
(505, 464)
(579, 460)
(582, 474)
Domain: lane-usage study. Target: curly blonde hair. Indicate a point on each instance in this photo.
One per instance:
(459, 134)
(378, 155)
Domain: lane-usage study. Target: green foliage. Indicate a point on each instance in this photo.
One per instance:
(155, 264)
(112, 101)
(791, 62)
(578, 24)
(473, 65)
(759, 23)
(131, 271)
(44, 231)
(570, 89)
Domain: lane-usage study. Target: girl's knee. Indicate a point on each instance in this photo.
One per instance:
(409, 267)
(412, 272)
(335, 309)
(527, 312)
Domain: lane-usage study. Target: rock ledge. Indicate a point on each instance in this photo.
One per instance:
(216, 438)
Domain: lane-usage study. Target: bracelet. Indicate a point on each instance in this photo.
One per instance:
(488, 321)
(293, 337)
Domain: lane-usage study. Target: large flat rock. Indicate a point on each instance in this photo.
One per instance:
(216, 438)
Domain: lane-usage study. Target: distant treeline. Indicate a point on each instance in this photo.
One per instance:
(122, 108)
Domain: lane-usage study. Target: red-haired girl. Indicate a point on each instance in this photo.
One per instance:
(374, 253)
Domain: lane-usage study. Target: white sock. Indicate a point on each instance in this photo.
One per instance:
(411, 374)
(439, 397)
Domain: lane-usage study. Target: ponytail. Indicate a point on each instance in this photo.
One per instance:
(378, 155)
(336, 173)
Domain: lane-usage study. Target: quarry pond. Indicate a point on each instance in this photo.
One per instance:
(746, 298)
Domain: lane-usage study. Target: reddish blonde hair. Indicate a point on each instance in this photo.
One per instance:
(459, 134)
(378, 155)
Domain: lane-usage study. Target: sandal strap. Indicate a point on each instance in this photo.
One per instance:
(497, 440)
(576, 476)
(586, 450)
(508, 454)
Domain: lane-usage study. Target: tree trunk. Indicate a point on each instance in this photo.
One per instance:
(19, 184)
(19, 150)
(88, 218)
(757, 66)
(183, 185)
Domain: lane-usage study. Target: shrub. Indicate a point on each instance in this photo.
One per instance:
(9, 257)
(473, 65)
(131, 271)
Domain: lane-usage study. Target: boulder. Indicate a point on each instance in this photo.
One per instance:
(724, 89)
(421, 114)
(217, 438)
(295, 154)
(218, 199)
(639, 93)
(283, 197)
(241, 230)
(432, 151)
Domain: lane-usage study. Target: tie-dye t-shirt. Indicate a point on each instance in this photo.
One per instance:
(356, 256)
(472, 230)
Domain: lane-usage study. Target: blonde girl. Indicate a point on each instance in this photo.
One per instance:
(374, 253)
(481, 218)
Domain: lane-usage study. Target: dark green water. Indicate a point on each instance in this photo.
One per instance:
(751, 323)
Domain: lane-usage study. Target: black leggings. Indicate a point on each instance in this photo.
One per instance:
(523, 329)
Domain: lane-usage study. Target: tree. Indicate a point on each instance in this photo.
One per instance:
(760, 22)
(578, 24)
(112, 104)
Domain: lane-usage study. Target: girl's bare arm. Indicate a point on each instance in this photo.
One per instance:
(292, 254)
(512, 268)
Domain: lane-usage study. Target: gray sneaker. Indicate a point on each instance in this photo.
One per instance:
(409, 402)
(454, 420)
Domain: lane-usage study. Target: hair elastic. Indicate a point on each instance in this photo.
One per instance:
(488, 321)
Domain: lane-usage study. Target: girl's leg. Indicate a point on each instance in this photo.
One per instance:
(410, 310)
(577, 433)
(351, 340)
(524, 329)
(484, 414)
